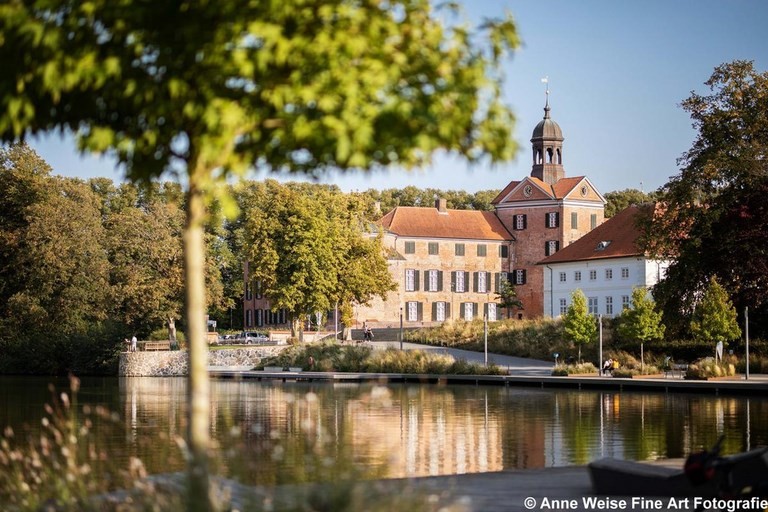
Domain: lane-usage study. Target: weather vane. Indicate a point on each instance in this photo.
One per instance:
(545, 80)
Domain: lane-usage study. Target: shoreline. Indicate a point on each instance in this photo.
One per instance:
(734, 385)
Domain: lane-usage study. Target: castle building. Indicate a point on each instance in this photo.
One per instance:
(449, 263)
(545, 212)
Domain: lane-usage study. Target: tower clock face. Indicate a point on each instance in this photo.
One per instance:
(527, 191)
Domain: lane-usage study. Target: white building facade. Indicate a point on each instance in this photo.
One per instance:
(605, 264)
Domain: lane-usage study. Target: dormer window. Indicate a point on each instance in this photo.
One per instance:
(603, 245)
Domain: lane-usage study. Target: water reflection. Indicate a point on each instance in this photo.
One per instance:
(277, 432)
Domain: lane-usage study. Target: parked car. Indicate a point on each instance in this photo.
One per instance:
(253, 338)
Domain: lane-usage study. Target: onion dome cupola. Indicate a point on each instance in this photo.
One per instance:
(547, 142)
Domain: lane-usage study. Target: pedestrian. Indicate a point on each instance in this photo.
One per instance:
(133, 343)
(607, 366)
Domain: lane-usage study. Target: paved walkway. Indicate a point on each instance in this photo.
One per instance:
(516, 365)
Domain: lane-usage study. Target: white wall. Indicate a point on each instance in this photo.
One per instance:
(642, 272)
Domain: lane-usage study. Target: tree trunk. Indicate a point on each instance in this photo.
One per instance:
(198, 433)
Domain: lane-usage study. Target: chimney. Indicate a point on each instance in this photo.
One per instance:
(441, 205)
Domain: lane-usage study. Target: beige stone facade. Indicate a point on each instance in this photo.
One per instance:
(430, 289)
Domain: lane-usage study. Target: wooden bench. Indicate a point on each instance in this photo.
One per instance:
(157, 345)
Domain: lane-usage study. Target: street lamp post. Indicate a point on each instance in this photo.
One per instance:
(401, 327)
(485, 337)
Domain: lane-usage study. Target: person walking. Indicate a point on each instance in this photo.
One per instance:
(133, 343)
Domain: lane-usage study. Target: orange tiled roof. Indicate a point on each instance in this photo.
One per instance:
(620, 230)
(564, 186)
(504, 192)
(430, 223)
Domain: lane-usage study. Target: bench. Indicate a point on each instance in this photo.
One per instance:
(157, 345)
(676, 370)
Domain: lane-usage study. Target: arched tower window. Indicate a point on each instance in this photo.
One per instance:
(538, 155)
(549, 155)
(559, 157)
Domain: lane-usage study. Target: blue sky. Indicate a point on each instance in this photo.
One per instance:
(617, 70)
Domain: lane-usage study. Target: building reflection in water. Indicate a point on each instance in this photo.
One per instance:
(421, 430)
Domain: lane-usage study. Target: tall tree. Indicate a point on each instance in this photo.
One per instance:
(712, 216)
(306, 249)
(210, 89)
(714, 318)
(578, 325)
(641, 322)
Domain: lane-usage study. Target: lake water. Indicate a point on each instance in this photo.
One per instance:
(291, 432)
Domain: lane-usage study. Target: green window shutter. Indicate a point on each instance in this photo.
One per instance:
(447, 310)
(474, 281)
(453, 281)
(419, 311)
(434, 311)
(416, 274)
(475, 312)
(439, 280)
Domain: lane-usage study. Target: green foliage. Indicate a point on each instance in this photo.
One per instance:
(306, 248)
(714, 318)
(620, 199)
(713, 220)
(391, 198)
(507, 296)
(578, 325)
(641, 322)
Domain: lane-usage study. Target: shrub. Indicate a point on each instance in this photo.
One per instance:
(574, 369)
(707, 368)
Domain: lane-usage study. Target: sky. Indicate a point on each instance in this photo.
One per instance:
(617, 73)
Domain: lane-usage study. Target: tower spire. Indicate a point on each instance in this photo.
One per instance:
(547, 145)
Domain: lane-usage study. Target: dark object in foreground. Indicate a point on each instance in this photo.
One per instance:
(705, 474)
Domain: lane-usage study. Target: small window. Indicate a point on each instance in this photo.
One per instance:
(609, 305)
(439, 310)
(413, 311)
(593, 221)
(520, 222)
(433, 248)
(592, 275)
(519, 276)
(574, 220)
(459, 249)
(593, 305)
(481, 250)
(503, 251)
(469, 311)
(624, 302)
(433, 280)
(562, 277)
(458, 282)
(563, 306)
(410, 247)
(552, 220)
(551, 247)
(482, 282)
(625, 272)
(577, 275)
(411, 280)
(608, 274)
(490, 309)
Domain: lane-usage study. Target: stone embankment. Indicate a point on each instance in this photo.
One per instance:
(171, 363)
